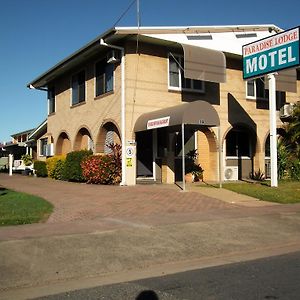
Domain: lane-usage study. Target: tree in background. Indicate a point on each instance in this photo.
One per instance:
(289, 148)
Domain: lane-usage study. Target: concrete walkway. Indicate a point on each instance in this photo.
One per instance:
(105, 234)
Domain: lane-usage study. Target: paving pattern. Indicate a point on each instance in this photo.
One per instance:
(82, 202)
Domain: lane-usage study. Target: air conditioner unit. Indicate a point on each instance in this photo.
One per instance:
(231, 173)
(286, 110)
(113, 57)
(49, 150)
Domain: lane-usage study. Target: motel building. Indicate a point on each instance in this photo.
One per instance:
(155, 89)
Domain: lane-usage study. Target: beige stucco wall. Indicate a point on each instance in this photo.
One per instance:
(91, 114)
(147, 90)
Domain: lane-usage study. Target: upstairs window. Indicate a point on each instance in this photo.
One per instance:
(78, 88)
(177, 81)
(51, 100)
(256, 89)
(104, 78)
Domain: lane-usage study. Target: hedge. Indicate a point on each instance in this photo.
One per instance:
(72, 167)
(40, 168)
(56, 166)
(101, 170)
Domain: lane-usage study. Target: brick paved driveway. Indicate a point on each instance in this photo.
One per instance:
(81, 202)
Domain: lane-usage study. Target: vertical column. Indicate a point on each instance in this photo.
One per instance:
(183, 157)
(10, 163)
(273, 133)
(220, 156)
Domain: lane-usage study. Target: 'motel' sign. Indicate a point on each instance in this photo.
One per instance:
(278, 52)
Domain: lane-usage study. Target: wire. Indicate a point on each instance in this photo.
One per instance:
(124, 13)
(178, 63)
(137, 64)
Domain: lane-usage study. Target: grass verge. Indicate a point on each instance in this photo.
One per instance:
(20, 208)
(287, 191)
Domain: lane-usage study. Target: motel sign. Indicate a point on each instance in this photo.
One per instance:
(267, 56)
(278, 52)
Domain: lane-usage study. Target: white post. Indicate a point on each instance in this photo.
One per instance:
(183, 157)
(220, 156)
(10, 163)
(123, 121)
(273, 133)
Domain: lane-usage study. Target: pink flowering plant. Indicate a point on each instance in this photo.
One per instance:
(103, 169)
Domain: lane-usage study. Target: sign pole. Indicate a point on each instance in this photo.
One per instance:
(183, 157)
(273, 133)
(10, 163)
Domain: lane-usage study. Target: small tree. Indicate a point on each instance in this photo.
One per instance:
(27, 159)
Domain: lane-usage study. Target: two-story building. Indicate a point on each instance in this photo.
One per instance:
(158, 87)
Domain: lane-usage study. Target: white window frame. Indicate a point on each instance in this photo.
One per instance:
(278, 93)
(180, 60)
(95, 80)
(85, 88)
(41, 153)
(255, 96)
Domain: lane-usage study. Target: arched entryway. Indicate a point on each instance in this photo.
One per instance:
(83, 140)
(280, 134)
(240, 145)
(108, 133)
(63, 144)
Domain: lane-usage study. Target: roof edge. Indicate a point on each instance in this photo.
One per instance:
(34, 83)
(196, 29)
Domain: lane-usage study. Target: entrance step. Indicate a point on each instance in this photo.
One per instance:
(145, 180)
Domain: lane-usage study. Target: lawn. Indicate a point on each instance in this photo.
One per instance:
(20, 208)
(287, 191)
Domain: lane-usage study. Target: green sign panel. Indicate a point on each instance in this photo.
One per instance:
(277, 52)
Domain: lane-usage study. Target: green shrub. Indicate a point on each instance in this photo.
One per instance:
(40, 168)
(294, 169)
(55, 166)
(72, 167)
(258, 175)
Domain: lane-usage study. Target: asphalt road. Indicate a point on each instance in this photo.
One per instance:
(269, 278)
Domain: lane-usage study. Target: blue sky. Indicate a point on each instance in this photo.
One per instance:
(36, 34)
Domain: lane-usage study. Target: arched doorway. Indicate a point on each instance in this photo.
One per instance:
(109, 133)
(240, 145)
(280, 134)
(63, 144)
(83, 140)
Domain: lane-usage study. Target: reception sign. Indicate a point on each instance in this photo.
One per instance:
(277, 52)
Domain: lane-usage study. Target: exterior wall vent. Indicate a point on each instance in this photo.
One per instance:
(245, 35)
(199, 37)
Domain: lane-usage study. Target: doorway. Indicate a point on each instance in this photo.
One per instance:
(144, 142)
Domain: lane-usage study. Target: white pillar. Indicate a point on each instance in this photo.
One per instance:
(10, 163)
(183, 157)
(220, 156)
(273, 132)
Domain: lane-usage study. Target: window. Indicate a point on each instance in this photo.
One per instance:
(43, 146)
(256, 89)
(78, 88)
(51, 100)
(104, 78)
(177, 80)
